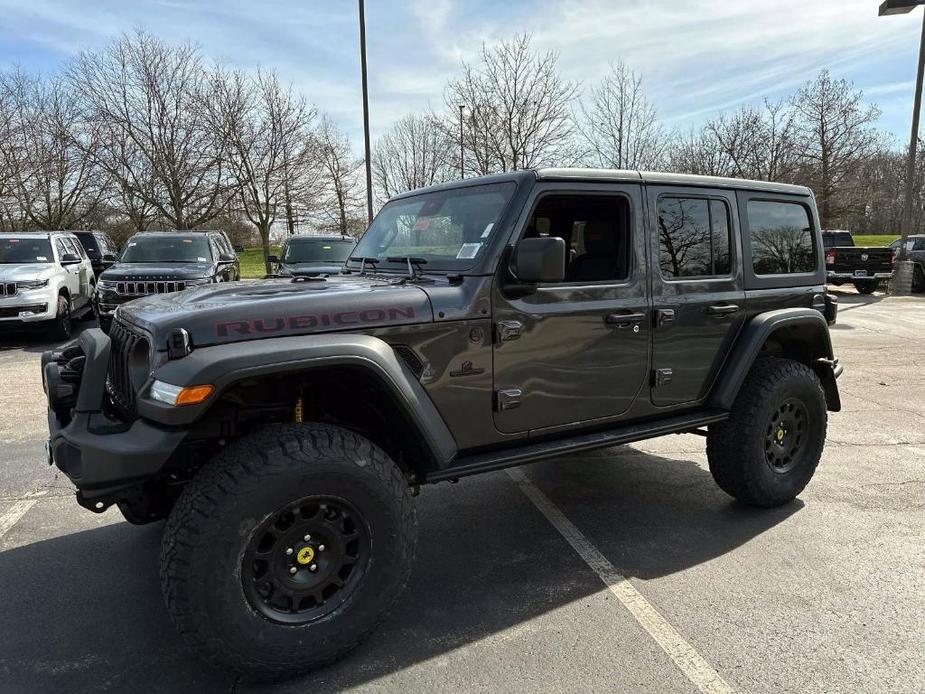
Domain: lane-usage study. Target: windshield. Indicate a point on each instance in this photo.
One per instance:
(317, 251)
(25, 250)
(167, 249)
(448, 228)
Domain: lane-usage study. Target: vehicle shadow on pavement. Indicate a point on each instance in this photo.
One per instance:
(84, 611)
(35, 341)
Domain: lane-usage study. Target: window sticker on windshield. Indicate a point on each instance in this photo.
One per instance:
(422, 225)
(133, 243)
(468, 251)
(491, 225)
(41, 258)
(202, 260)
(187, 240)
(326, 248)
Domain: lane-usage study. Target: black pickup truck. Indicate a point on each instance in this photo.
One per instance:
(864, 267)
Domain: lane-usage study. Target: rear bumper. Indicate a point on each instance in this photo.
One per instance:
(98, 453)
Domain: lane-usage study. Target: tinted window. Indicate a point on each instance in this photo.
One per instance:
(167, 249)
(88, 241)
(781, 238)
(317, 251)
(831, 239)
(693, 236)
(918, 245)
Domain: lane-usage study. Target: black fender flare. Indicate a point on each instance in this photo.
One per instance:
(224, 365)
(805, 328)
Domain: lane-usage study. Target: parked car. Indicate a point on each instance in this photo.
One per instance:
(99, 248)
(46, 281)
(864, 267)
(310, 256)
(915, 251)
(284, 430)
(163, 262)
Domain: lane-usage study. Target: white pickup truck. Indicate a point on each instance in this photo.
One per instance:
(46, 281)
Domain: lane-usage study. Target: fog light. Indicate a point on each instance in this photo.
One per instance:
(26, 314)
(180, 395)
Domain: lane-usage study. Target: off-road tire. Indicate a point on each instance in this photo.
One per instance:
(918, 279)
(866, 287)
(737, 448)
(61, 327)
(222, 508)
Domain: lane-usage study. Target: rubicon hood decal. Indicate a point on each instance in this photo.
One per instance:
(240, 311)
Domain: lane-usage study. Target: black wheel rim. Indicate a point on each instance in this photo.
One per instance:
(786, 435)
(306, 559)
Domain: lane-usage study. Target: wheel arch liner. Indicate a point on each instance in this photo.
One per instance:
(806, 325)
(225, 365)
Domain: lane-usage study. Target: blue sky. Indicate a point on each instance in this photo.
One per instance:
(698, 57)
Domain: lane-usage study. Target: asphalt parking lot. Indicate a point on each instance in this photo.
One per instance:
(826, 594)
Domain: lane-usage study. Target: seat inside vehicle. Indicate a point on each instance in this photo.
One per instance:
(596, 230)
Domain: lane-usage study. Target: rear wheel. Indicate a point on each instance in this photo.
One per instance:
(918, 279)
(767, 451)
(287, 549)
(866, 287)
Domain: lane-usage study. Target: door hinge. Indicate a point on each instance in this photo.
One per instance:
(663, 317)
(507, 330)
(661, 377)
(508, 399)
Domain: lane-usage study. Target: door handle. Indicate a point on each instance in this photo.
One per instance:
(622, 320)
(722, 310)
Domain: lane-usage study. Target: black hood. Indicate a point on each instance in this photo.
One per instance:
(156, 271)
(239, 311)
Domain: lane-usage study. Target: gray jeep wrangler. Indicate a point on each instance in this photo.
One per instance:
(283, 427)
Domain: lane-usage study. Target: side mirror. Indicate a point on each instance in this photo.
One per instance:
(540, 260)
(70, 259)
(109, 258)
(273, 258)
(225, 258)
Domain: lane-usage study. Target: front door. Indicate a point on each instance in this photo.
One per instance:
(576, 351)
(697, 291)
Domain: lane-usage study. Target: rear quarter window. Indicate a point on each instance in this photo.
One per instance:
(781, 238)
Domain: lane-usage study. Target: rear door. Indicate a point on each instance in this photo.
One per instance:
(698, 293)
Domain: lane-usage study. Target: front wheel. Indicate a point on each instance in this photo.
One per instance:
(767, 451)
(63, 323)
(287, 549)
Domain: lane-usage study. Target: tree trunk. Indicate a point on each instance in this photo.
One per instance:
(264, 230)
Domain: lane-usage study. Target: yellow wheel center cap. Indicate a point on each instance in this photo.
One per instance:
(305, 555)
(780, 434)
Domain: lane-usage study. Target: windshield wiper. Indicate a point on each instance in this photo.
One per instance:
(413, 264)
(363, 260)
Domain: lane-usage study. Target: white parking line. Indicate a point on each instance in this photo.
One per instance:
(17, 511)
(688, 660)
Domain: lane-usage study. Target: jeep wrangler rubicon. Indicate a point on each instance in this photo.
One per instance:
(283, 427)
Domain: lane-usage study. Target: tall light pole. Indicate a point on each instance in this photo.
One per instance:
(369, 164)
(902, 281)
(462, 143)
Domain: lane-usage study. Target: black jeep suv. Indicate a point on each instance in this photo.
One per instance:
(310, 256)
(162, 263)
(284, 427)
(100, 249)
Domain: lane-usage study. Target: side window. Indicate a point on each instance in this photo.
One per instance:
(781, 237)
(60, 248)
(596, 231)
(76, 248)
(693, 237)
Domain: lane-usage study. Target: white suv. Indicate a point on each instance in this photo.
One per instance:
(46, 280)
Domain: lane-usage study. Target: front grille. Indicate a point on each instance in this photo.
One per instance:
(9, 289)
(124, 368)
(142, 288)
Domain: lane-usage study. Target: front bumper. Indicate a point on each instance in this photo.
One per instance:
(98, 453)
(847, 276)
(29, 306)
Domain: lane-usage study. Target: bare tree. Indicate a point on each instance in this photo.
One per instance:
(414, 153)
(835, 134)
(150, 97)
(757, 142)
(339, 201)
(267, 131)
(47, 168)
(516, 108)
(619, 129)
